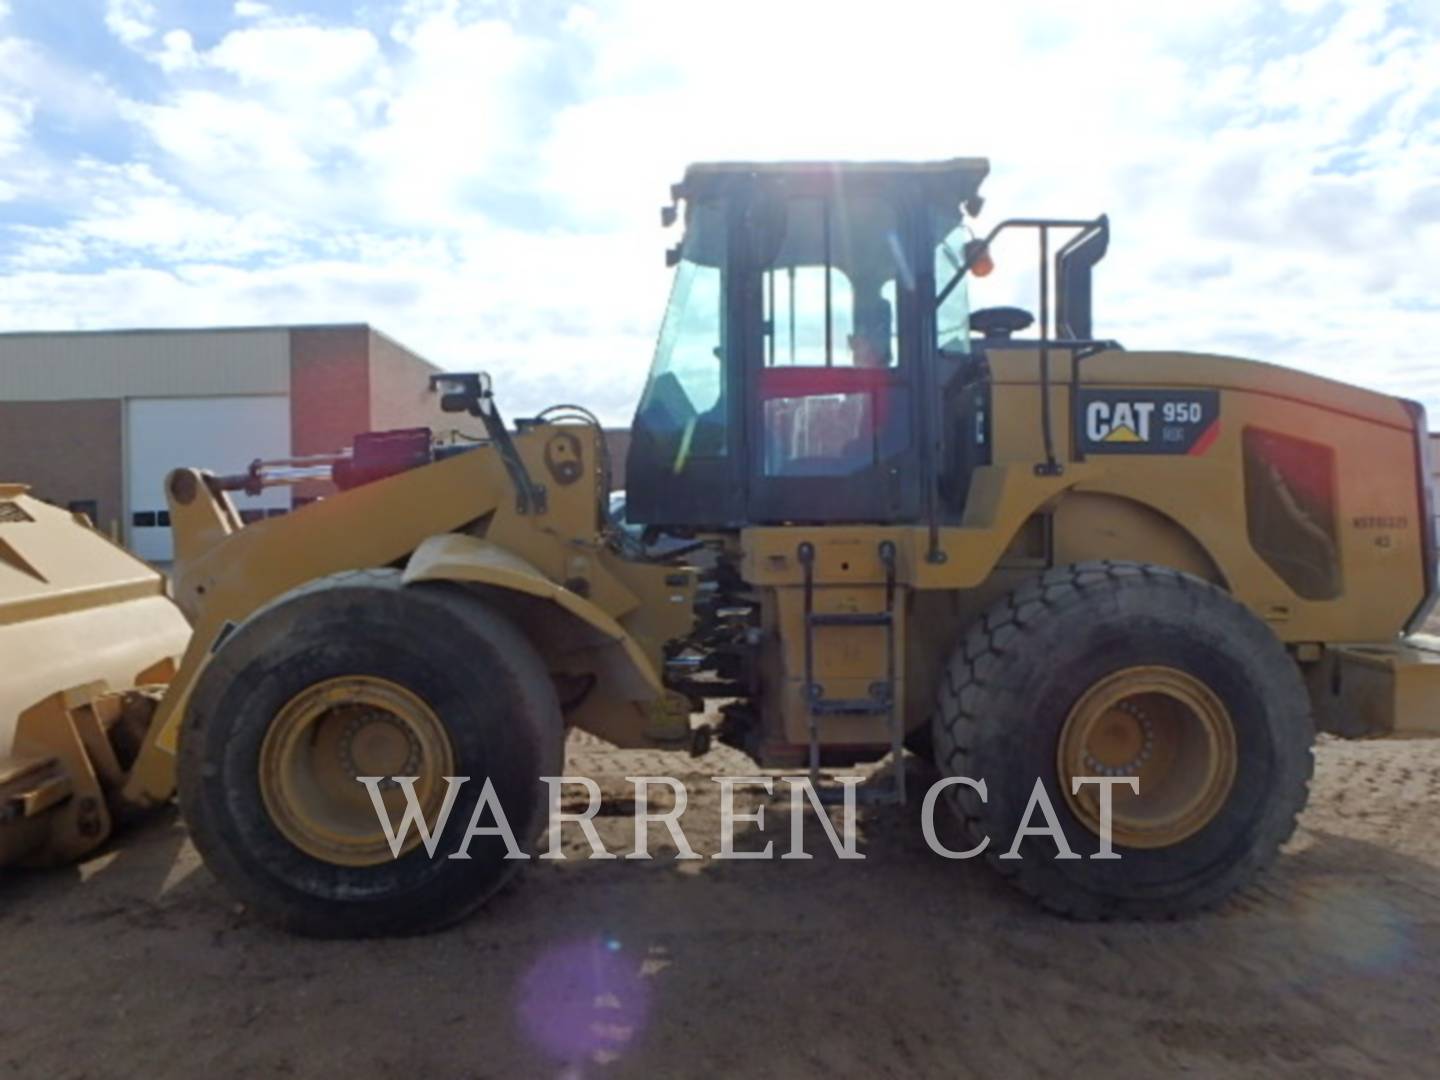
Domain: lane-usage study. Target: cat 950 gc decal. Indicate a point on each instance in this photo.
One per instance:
(1116, 421)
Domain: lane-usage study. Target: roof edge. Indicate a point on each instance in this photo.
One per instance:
(128, 330)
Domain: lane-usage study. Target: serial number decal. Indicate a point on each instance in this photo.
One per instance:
(1380, 521)
(1116, 421)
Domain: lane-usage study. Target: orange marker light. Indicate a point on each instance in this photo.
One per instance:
(977, 257)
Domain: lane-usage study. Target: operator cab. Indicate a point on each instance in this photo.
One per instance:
(818, 330)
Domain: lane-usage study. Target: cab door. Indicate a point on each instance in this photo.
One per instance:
(831, 404)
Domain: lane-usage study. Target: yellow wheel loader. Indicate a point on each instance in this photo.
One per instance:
(860, 517)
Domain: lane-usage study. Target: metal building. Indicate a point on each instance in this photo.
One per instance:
(94, 420)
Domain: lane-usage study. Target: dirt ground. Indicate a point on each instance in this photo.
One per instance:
(900, 965)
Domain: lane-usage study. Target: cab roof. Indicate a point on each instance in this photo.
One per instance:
(953, 181)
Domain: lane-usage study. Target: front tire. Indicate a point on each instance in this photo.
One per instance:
(355, 675)
(1123, 669)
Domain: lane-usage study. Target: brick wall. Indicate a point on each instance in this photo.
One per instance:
(400, 394)
(329, 393)
(329, 388)
(67, 451)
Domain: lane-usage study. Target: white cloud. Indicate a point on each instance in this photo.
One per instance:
(486, 189)
(65, 91)
(417, 131)
(294, 56)
(15, 117)
(451, 114)
(225, 134)
(132, 21)
(177, 52)
(34, 84)
(467, 311)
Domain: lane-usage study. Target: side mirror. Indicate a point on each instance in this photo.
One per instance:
(1073, 264)
(468, 392)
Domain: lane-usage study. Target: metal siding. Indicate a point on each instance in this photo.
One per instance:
(190, 363)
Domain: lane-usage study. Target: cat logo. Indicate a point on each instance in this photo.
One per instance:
(1150, 421)
(1118, 421)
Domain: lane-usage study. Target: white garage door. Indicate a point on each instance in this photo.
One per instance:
(222, 434)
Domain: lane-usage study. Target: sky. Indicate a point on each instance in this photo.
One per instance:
(482, 181)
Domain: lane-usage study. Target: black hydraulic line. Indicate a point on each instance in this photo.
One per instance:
(475, 396)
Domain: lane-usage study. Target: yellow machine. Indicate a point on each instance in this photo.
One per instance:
(1030, 559)
(87, 639)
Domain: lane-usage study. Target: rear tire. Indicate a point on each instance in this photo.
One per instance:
(1019, 687)
(482, 701)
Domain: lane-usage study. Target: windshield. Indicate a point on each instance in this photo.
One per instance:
(683, 406)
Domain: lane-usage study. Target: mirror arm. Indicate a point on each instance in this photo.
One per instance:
(471, 391)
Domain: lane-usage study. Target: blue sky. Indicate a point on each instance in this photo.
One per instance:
(481, 180)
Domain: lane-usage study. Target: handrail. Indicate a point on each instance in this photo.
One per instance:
(1088, 226)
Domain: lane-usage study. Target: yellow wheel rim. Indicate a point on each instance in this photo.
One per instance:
(1163, 726)
(329, 735)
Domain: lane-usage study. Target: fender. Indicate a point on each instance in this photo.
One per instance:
(1200, 514)
(1097, 523)
(227, 573)
(470, 559)
(1003, 497)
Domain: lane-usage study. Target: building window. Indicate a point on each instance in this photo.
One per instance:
(144, 519)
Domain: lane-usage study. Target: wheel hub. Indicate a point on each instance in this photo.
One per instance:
(327, 737)
(1167, 729)
(375, 744)
(1123, 742)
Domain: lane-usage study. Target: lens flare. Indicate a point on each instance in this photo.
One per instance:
(1355, 928)
(584, 1001)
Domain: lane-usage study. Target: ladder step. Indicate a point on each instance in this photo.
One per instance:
(851, 618)
(881, 699)
(850, 707)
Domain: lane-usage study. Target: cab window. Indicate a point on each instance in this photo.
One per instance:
(952, 314)
(831, 400)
